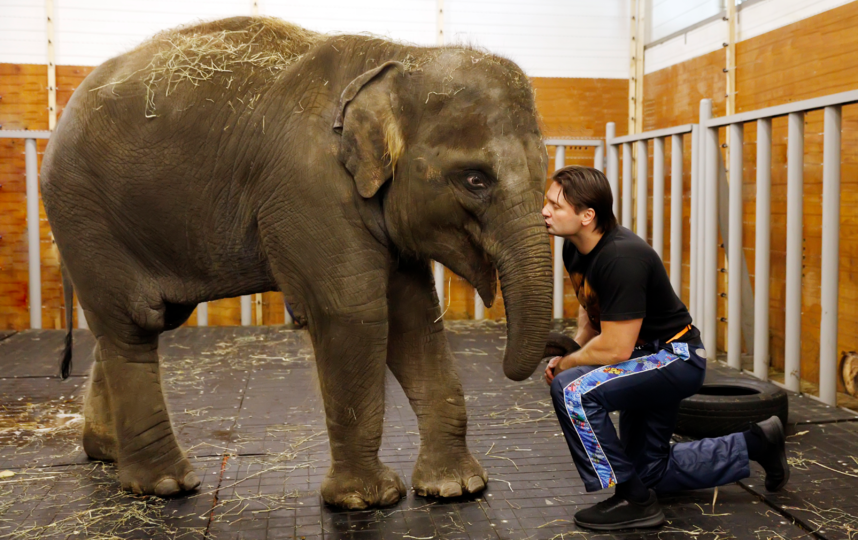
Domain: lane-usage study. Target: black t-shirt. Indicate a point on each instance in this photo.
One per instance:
(622, 278)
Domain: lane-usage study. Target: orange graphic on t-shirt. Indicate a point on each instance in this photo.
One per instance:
(588, 299)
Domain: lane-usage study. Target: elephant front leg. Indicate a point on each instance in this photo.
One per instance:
(420, 358)
(350, 353)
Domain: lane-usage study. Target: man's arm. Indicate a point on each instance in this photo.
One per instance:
(585, 332)
(615, 344)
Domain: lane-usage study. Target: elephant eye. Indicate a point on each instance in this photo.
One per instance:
(475, 180)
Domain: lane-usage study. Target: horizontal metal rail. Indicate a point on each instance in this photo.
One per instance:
(24, 134)
(655, 134)
(843, 98)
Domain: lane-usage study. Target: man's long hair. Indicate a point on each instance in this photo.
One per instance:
(586, 187)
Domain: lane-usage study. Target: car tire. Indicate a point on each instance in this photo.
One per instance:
(729, 405)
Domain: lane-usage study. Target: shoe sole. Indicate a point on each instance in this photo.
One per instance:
(652, 521)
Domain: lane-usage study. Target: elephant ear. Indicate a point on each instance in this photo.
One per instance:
(371, 138)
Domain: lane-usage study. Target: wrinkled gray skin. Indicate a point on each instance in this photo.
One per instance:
(155, 215)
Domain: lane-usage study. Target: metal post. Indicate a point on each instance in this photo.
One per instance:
(701, 227)
(795, 192)
(479, 307)
(246, 310)
(613, 166)
(734, 255)
(559, 163)
(438, 272)
(762, 248)
(33, 239)
(658, 196)
(599, 159)
(81, 317)
(641, 195)
(202, 314)
(830, 256)
(627, 185)
(694, 218)
(676, 213)
(710, 231)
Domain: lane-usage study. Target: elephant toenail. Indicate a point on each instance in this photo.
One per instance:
(354, 502)
(391, 496)
(136, 489)
(191, 481)
(451, 489)
(166, 487)
(476, 484)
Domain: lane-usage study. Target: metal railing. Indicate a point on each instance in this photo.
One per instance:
(31, 159)
(560, 146)
(639, 198)
(33, 239)
(795, 191)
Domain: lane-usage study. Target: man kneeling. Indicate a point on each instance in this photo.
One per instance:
(641, 355)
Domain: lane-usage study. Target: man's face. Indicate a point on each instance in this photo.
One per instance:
(560, 216)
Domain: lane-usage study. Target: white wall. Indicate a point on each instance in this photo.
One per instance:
(547, 38)
(670, 16)
(22, 32)
(753, 20)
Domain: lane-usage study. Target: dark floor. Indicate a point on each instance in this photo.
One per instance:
(245, 407)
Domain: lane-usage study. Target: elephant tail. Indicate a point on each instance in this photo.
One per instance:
(68, 293)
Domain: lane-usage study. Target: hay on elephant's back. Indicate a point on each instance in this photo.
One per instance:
(215, 51)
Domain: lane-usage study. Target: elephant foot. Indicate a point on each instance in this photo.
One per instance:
(443, 475)
(165, 476)
(362, 490)
(99, 441)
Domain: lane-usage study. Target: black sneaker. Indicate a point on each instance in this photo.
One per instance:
(617, 513)
(774, 461)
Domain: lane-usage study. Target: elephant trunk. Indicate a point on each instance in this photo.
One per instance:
(525, 272)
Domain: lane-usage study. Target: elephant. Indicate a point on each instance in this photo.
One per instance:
(247, 155)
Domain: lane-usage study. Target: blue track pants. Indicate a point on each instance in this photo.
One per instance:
(646, 389)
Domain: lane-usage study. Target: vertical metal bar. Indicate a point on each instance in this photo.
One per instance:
(676, 213)
(762, 248)
(287, 317)
(202, 314)
(613, 165)
(830, 256)
(658, 196)
(81, 317)
(559, 163)
(246, 310)
(734, 255)
(479, 307)
(438, 272)
(627, 185)
(694, 218)
(795, 193)
(599, 159)
(710, 231)
(33, 238)
(641, 195)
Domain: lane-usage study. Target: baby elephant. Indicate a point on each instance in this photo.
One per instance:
(249, 155)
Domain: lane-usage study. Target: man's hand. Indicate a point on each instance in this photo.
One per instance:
(549, 369)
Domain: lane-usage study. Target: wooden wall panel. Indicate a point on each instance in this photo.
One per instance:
(814, 57)
(568, 107)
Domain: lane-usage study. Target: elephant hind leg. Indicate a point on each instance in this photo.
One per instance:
(99, 432)
(126, 392)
